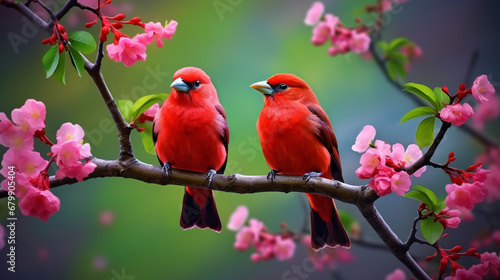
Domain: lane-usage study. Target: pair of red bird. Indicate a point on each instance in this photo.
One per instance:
(191, 133)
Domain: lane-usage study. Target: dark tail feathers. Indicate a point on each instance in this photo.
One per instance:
(331, 233)
(198, 209)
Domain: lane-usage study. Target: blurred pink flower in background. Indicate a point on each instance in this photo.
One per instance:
(398, 274)
(314, 13)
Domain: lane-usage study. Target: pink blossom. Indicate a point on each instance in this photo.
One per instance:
(17, 138)
(398, 274)
(68, 132)
(158, 32)
(482, 89)
(106, 218)
(149, 114)
(324, 29)
(238, 218)
(248, 235)
(244, 239)
(385, 5)
(68, 153)
(78, 170)
(265, 247)
(459, 196)
(454, 218)
(364, 139)
(491, 261)
(5, 123)
(412, 51)
(284, 248)
(127, 50)
(370, 161)
(456, 114)
(256, 257)
(31, 116)
(463, 274)
(38, 203)
(30, 163)
(314, 13)
(406, 158)
(360, 42)
(381, 185)
(383, 147)
(400, 182)
(486, 111)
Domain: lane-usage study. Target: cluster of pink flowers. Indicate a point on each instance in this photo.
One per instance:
(267, 245)
(489, 262)
(343, 39)
(31, 170)
(457, 113)
(129, 50)
(468, 188)
(385, 164)
(69, 151)
(448, 218)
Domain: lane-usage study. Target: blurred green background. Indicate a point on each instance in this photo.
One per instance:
(248, 42)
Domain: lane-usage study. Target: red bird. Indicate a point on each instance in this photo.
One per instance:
(190, 132)
(297, 139)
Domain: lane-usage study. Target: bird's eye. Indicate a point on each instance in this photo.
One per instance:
(196, 84)
(283, 86)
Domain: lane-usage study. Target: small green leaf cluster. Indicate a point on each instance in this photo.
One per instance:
(54, 63)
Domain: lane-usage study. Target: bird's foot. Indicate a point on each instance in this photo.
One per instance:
(310, 175)
(166, 169)
(210, 176)
(272, 175)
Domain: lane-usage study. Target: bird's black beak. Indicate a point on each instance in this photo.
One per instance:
(264, 87)
(180, 85)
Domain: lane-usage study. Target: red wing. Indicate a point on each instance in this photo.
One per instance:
(224, 136)
(329, 140)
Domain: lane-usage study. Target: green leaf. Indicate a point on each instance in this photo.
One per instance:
(60, 73)
(423, 92)
(430, 194)
(347, 219)
(82, 41)
(397, 43)
(76, 60)
(417, 112)
(441, 98)
(147, 139)
(398, 56)
(50, 61)
(425, 132)
(440, 205)
(143, 103)
(125, 106)
(395, 68)
(383, 46)
(431, 230)
(420, 196)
